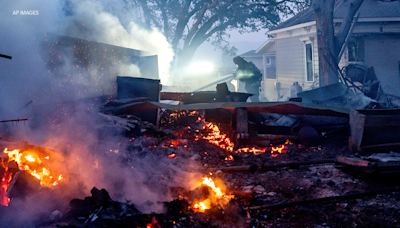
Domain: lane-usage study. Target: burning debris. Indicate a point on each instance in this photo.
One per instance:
(214, 196)
(209, 180)
(41, 164)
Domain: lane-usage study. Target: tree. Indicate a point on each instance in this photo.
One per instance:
(329, 44)
(189, 23)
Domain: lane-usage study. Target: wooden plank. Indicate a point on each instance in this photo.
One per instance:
(353, 161)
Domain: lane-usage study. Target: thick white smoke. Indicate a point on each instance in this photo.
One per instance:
(90, 21)
(29, 89)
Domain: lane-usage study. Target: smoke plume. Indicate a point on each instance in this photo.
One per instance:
(50, 86)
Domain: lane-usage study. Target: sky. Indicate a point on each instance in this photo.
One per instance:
(243, 42)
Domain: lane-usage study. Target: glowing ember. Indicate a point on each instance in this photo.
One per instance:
(172, 156)
(153, 224)
(229, 158)
(216, 197)
(215, 137)
(279, 149)
(253, 150)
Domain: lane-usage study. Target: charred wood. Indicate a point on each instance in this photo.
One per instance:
(325, 199)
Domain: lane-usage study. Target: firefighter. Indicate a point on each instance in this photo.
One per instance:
(248, 73)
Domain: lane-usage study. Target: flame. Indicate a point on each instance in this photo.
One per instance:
(4, 200)
(288, 142)
(217, 196)
(229, 158)
(30, 158)
(31, 162)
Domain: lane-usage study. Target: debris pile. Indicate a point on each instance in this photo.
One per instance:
(212, 180)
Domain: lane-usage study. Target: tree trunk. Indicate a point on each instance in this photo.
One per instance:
(329, 45)
(327, 53)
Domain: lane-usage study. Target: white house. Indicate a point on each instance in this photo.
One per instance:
(375, 41)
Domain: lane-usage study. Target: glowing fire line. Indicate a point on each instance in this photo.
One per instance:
(221, 140)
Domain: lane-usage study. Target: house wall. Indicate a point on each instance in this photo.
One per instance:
(257, 60)
(382, 52)
(268, 92)
(291, 63)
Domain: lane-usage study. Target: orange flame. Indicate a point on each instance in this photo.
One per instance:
(4, 200)
(31, 162)
(288, 142)
(217, 196)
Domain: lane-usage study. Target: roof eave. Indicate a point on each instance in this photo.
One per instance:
(266, 44)
(291, 28)
(371, 19)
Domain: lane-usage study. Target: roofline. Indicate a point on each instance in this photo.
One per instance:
(372, 19)
(265, 44)
(250, 56)
(291, 27)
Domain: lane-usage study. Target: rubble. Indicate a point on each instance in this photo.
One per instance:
(291, 181)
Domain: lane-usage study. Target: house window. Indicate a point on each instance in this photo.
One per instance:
(356, 49)
(309, 62)
(267, 61)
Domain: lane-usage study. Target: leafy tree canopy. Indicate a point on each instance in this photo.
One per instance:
(189, 23)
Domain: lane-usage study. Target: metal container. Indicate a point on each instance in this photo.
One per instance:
(295, 89)
(130, 87)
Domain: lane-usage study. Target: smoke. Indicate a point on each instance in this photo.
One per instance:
(46, 83)
(90, 21)
(49, 73)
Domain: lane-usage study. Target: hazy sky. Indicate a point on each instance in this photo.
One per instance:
(243, 42)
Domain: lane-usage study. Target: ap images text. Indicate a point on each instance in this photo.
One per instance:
(26, 12)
